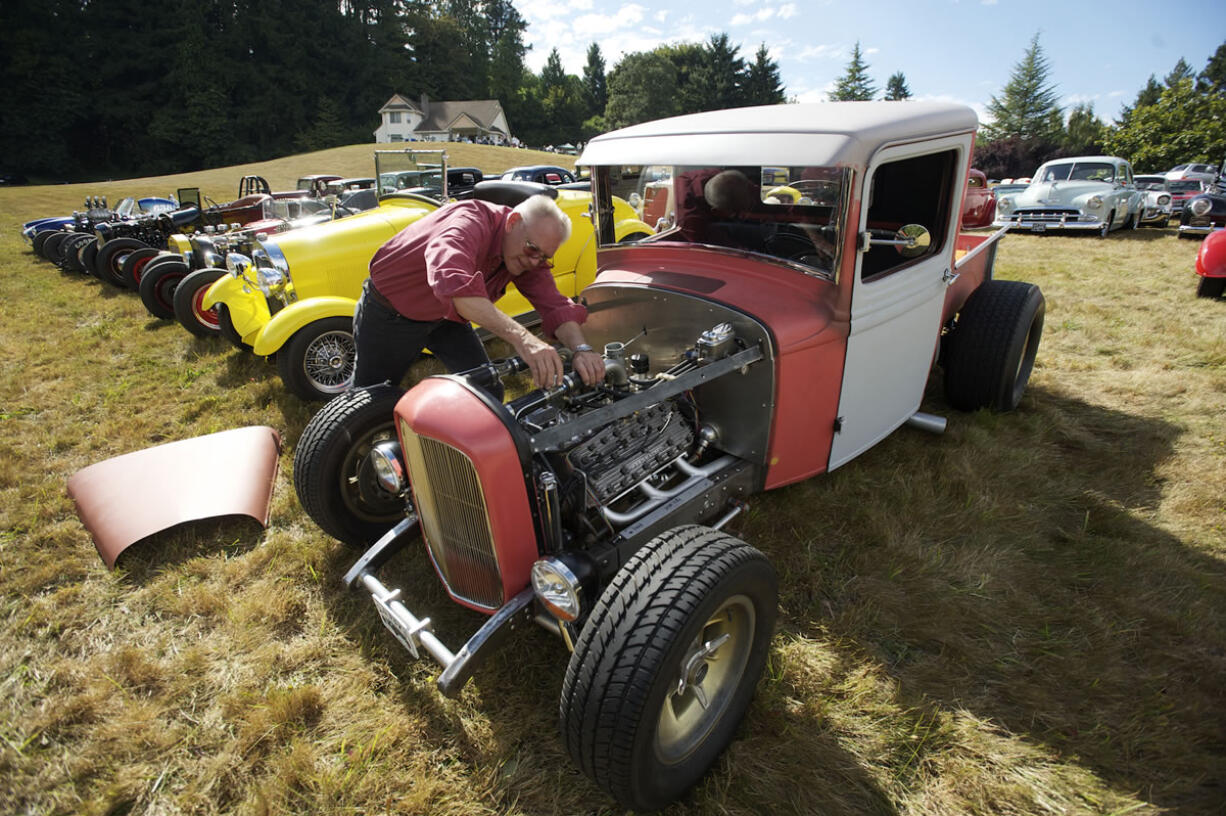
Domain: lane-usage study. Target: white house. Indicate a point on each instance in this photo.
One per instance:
(474, 120)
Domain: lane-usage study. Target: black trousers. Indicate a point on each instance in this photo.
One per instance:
(388, 343)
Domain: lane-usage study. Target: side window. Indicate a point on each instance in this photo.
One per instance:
(909, 191)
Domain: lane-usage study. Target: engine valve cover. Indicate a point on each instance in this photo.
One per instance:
(628, 451)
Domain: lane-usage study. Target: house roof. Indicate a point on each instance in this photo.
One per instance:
(471, 113)
(398, 102)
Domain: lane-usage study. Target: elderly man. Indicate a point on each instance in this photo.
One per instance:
(446, 270)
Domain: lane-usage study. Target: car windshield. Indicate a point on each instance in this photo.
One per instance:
(1183, 185)
(783, 213)
(1150, 182)
(1079, 171)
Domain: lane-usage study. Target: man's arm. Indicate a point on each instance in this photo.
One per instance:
(542, 358)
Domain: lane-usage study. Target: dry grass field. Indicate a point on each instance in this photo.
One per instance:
(1026, 615)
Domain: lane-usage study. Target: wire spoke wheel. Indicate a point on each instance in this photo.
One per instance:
(329, 361)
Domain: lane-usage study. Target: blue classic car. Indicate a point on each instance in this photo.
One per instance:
(1086, 193)
(95, 211)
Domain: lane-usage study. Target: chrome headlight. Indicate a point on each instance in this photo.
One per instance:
(557, 588)
(1200, 206)
(1094, 202)
(238, 264)
(1005, 204)
(269, 279)
(389, 470)
(1163, 200)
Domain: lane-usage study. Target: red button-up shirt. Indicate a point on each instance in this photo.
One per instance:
(456, 251)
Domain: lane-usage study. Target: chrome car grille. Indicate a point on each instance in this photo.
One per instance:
(454, 521)
(1054, 215)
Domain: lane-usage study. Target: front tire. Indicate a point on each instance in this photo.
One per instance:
(666, 665)
(333, 476)
(318, 361)
(133, 266)
(188, 303)
(1211, 287)
(158, 282)
(990, 352)
(225, 327)
(111, 256)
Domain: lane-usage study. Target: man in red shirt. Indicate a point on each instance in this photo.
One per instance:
(446, 270)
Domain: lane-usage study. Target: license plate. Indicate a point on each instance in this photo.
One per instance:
(397, 627)
(1038, 228)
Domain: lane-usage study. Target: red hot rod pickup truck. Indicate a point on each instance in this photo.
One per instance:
(753, 341)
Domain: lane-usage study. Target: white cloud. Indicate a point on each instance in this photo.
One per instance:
(787, 11)
(661, 15)
(824, 51)
(759, 16)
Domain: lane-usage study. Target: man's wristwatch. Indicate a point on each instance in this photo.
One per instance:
(582, 347)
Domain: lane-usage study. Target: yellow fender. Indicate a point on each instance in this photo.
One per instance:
(246, 304)
(287, 322)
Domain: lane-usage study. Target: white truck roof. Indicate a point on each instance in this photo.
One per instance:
(814, 134)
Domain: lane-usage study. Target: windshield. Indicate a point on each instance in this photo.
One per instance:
(1150, 182)
(782, 213)
(1079, 171)
(1184, 185)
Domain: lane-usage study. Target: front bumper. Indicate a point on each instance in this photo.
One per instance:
(415, 633)
(1196, 229)
(1044, 223)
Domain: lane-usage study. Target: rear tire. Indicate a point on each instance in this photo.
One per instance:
(70, 260)
(188, 308)
(667, 663)
(1211, 287)
(990, 352)
(52, 244)
(317, 363)
(40, 241)
(158, 282)
(88, 255)
(333, 477)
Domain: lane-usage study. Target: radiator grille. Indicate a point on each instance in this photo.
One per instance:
(454, 520)
(1054, 215)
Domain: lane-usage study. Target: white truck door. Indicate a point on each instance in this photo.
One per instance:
(897, 301)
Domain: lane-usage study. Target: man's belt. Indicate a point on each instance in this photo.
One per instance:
(379, 297)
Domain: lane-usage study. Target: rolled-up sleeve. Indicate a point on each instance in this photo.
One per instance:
(451, 260)
(538, 286)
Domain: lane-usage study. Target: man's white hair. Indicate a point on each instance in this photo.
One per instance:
(541, 208)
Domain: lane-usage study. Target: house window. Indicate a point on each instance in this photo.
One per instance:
(396, 137)
(393, 117)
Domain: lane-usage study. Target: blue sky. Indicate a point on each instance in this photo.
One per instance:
(953, 50)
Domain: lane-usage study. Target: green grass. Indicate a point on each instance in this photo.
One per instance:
(1026, 615)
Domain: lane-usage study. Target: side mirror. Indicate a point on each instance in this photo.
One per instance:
(910, 241)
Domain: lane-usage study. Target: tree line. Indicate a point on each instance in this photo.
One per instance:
(126, 87)
(108, 88)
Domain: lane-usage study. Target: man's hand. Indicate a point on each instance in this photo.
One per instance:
(590, 366)
(542, 359)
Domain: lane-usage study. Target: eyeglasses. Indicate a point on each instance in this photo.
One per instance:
(537, 254)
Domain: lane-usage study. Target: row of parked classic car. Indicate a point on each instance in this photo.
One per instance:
(279, 273)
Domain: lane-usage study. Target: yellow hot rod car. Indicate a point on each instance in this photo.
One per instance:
(293, 298)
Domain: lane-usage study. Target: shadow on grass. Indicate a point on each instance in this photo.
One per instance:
(1011, 570)
(151, 555)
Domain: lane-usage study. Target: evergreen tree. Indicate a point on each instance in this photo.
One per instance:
(1148, 95)
(762, 83)
(716, 84)
(553, 75)
(855, 84)
(595, 85)
(1213, 78)
(1181, 71)
(1028, 106)
(896, 87)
